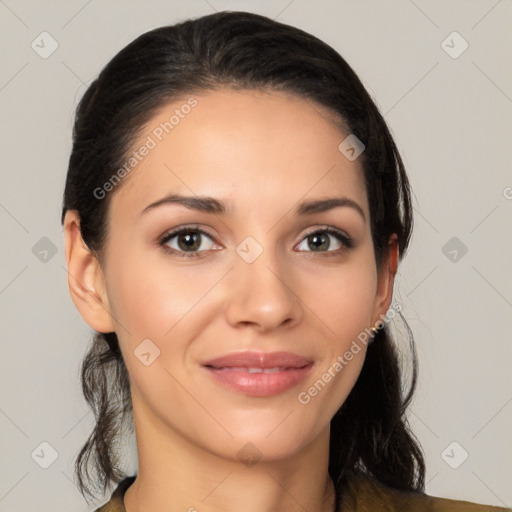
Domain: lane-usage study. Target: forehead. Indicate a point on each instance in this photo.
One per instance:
(268, 148)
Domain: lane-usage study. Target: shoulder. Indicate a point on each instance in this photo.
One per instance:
(366, 494)
(116, 502)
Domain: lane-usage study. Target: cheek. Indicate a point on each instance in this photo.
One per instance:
(149, 296)
(344, 298)
(154, 300)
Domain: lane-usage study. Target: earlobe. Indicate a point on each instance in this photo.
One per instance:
(85, 278)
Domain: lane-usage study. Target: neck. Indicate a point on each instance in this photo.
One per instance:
(177, 475)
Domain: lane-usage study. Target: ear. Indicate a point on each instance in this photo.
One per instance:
(386, 279)
(85, 278)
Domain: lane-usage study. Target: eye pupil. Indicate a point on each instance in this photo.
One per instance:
(191, 240)
(324, 241)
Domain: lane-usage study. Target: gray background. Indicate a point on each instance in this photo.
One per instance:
(451, 118)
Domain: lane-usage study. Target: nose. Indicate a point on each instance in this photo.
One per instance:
(261, 294)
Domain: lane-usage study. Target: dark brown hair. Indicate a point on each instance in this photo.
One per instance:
(369, 433)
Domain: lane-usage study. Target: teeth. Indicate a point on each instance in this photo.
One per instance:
(254, 370)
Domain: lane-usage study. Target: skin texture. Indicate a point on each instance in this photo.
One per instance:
(262, 153)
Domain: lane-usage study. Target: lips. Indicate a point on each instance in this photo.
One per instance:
(262, 360)
(258, 373)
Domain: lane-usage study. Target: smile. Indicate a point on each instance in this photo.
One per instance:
(258, 382)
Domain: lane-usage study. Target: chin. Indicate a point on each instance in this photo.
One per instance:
(260, 440)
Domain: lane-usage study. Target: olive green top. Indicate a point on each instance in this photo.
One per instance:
(362, 494)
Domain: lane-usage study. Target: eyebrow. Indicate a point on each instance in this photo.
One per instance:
(210, 205)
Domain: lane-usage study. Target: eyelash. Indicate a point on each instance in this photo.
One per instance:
(348, 242)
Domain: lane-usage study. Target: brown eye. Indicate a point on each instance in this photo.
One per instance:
(185, 242)
(320, 241)
(189, 241)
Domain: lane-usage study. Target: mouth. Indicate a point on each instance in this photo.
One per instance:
(251, 370)
(259, 374)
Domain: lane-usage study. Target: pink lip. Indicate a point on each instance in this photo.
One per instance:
(259, 360)
(232, 370)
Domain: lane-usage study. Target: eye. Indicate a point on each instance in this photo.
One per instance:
(188, 241)
(320, 240)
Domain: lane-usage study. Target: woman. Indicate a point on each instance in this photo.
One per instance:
(235, 211)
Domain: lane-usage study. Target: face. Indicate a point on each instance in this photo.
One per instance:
(253, 271)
